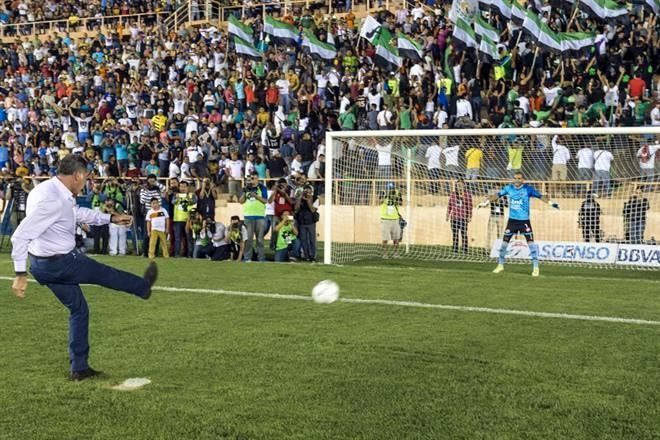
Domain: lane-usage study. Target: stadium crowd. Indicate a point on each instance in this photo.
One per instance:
(173, 119)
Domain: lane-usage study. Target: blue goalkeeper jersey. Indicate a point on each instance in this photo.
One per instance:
(519, 200)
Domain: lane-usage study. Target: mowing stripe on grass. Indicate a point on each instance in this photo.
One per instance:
(388, 302)
(396, 303)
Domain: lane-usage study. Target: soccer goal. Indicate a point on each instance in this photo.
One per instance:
(426, 184)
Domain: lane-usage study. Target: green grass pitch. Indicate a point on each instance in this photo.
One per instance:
(243, 367)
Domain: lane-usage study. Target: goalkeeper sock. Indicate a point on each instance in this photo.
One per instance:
(534, 253)
(503, 247)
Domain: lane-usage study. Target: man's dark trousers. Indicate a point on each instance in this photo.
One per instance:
(63, 275)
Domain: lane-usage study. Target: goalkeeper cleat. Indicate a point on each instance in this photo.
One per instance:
(535, 272)
(499, 268)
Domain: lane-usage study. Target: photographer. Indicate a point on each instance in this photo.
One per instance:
(116, 232)
(183, 203)
(389, 220)
(200, 230)
(207, 194)
(306, 218)
(281, 202)
(254, 202)
(18, 192)
(236, 236)
(113, 190)
(287, 248)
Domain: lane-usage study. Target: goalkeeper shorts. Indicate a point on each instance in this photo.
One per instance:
(514, 227)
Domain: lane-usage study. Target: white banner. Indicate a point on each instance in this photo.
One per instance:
(603, 253)
(638, 255)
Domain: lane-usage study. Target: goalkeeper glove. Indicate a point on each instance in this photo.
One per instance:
(554, 204)
(483, 204)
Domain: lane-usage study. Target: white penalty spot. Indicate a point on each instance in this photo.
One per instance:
(132, 384)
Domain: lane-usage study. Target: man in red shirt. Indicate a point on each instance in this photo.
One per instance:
(459, 212)
(281, 203)
(636, 86)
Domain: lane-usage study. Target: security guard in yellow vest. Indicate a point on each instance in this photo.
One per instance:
(389, 220)
(183, 204)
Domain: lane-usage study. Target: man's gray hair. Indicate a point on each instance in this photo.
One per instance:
(72, 164)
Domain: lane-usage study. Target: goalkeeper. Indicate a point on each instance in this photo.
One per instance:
(518, 194)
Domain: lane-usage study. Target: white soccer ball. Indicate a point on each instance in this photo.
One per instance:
(325, 292)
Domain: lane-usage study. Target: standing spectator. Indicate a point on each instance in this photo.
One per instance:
(496, 219)
(234, 168)
(433, 166)
(602, 165)
(117, 233)
(389, 220)
(560, 158)
(636, 85)
(459, 214)
(473, 157)
(254, 199)
(452, 170)
(646, 156)
(306, 218)
(515, 158)
(589, 219)
(158, 226)
(634, 217)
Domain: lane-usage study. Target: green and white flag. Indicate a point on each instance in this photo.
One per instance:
(281, 32)
(501, 7)
(465, 9)
(240, 30)
(247, 50)
(316, 48)
(387, 56)
(370, 28)
(604, 10)
(464, 34)
(483, 28)
(653, 5)
(517, 13)
(488, 50)
(541, 32)
(576, 43)
(409, 48)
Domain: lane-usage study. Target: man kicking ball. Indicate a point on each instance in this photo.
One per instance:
(518, 194)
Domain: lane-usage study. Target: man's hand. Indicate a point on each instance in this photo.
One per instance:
(19, 285)
(121, 219)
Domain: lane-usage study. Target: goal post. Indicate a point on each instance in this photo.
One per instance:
(604, 179)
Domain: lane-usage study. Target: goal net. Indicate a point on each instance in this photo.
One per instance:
(431, 181)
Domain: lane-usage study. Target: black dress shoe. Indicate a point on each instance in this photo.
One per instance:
(150, 276)
(85, 374)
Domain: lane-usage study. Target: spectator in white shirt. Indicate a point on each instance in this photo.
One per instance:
(585, 163)
(602, 165)
(384, 118)
(234, 168)
(47, 235)
(433, 165)
(646, 156)
(463, 108)
(560, 158)
(655, 115)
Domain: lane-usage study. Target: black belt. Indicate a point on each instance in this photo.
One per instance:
(49, 258)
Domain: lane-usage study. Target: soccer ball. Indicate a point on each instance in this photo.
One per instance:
(325, 292)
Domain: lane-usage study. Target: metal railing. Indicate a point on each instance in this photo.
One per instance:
(81, 24)
(187, 13)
